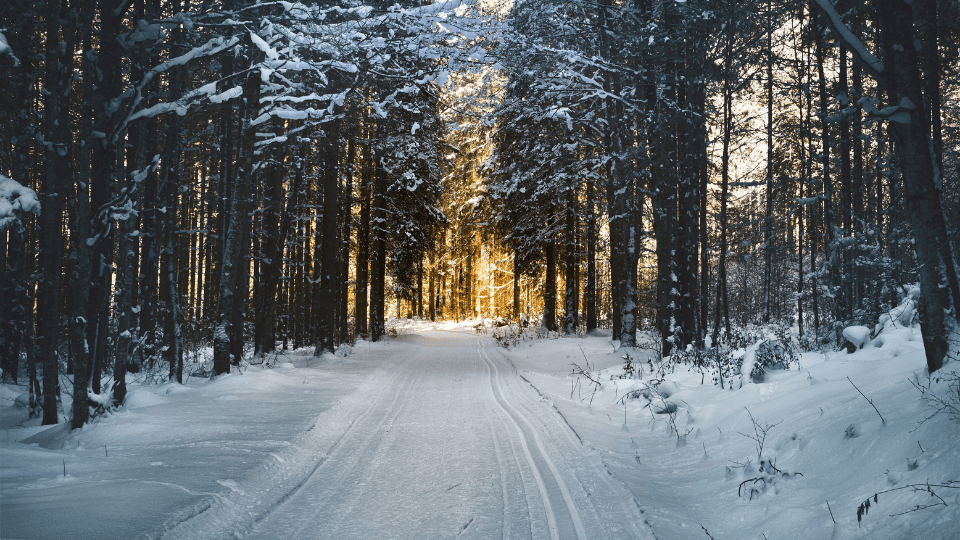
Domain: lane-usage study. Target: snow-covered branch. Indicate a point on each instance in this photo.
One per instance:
(15, 198)
(870, 63)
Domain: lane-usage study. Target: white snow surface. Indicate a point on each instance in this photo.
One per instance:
(441, 433)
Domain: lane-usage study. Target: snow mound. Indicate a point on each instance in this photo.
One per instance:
(174, 388)
(50, 438)
(328, 357)
(856, 335)
(139, 399)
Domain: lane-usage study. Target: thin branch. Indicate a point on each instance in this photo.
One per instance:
(882, 421)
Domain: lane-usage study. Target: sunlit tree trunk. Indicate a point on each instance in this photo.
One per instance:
(432, 273)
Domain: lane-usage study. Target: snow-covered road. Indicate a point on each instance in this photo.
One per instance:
(448, 442)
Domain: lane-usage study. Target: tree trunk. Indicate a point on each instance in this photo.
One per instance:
(723, 304)
(168, 190)
(550, 285)
(346, 226)
(516, 286)
(845, 298)
(330, 247)
(378, 258)
(57, 173)
(768, 214)
(920, 172)
(570, 296)
(591, 300)
(13, 311)
(80, 231)
(273, 239)
(610, 139)
(687, 209)
(432, 273)
(830, 238)
(234, 247)
(927, 19)
(363, 243)
(104, 181)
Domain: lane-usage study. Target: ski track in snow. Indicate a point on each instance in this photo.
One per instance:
(448, 442)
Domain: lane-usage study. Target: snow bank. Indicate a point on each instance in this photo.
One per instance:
(169, 452)
(685, 449)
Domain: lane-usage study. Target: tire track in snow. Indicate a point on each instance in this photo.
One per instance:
(369, 447)
(500, 448)
(625, 499)
(542, 461)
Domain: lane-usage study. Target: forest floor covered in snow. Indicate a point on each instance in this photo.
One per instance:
(166, 454)
(698, 472)
(686, 450)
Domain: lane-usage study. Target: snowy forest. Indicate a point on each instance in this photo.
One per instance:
(255, 175)
(189, 187)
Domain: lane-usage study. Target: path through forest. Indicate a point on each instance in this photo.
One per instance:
(448, 443)
(440, 433)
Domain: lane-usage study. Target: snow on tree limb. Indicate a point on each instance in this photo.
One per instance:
(5, 50)
(210, 48)
(15, 198)
(870, 63)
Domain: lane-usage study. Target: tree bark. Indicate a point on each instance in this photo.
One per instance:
(225, 332)
(168, 190)
(80, 231)
(570, 296)
(921, 175)
(330, 247)
(363, 243)
(550, 285)
(723, 304)
(56, 174)
(378, 258)
(346, 227)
